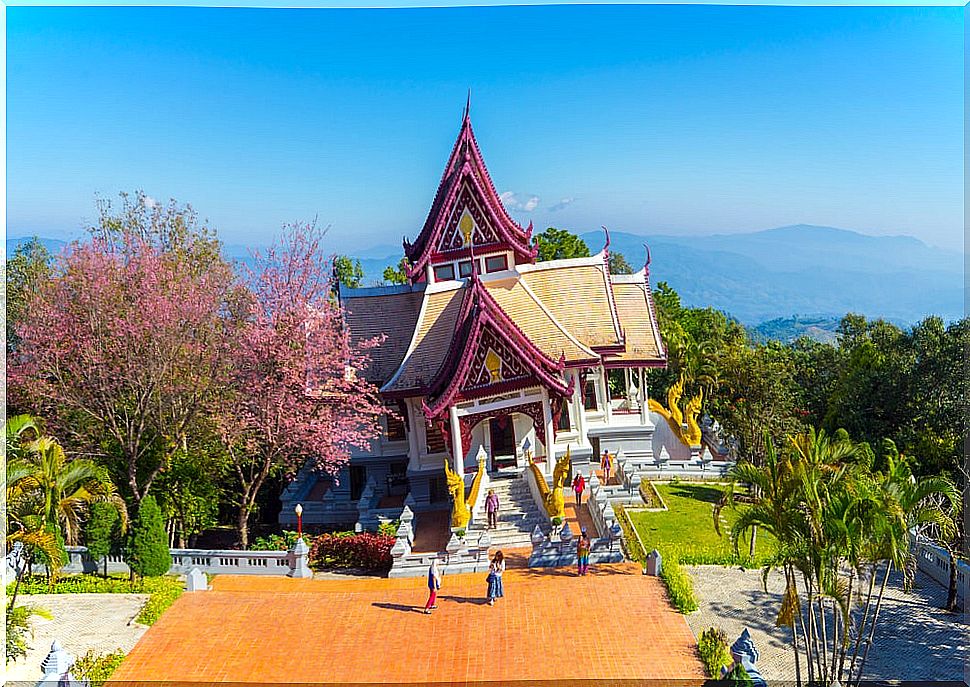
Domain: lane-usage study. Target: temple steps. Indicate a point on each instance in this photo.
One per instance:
(518, 514)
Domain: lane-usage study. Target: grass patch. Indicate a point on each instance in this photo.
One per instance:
(686, 529)
(162, 591)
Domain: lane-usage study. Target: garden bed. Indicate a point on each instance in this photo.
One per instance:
(651, 497)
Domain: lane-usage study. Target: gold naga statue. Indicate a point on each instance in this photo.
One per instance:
(676, 417)
(553, 499)
(460, 514)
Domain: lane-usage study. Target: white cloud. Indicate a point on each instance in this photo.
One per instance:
(150, 202)
(561, 204)
(524, 202)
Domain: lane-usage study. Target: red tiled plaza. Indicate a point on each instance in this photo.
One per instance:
(614, 624)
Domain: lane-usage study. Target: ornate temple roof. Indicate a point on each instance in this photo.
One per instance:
(466, 187)
(543, 316)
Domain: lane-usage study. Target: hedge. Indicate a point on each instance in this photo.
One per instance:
(368, 551)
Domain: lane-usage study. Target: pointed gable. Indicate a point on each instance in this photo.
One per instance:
(489, 354)
(466, 203)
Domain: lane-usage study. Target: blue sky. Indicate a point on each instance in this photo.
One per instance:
(649, 119)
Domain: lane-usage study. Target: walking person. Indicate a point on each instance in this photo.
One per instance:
(579, 486)
(582, 552)
(607, 465)
(434, 584)
(494, 579)
(491, 508)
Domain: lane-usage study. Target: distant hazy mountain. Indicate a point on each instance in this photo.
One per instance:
(817, 273)
(54, 246)
(787, 329)
(802, 269)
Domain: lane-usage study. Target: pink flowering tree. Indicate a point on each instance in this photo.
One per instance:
(123, 348)
(295, 394)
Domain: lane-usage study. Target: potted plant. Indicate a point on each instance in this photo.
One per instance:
(556, 524)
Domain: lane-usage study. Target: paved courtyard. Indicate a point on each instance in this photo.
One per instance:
(81, 622)
(614, 624)
(915, 639)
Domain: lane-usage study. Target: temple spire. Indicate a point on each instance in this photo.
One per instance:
(468, 105)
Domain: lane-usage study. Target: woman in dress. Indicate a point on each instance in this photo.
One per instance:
(434, 584)
(494, 579)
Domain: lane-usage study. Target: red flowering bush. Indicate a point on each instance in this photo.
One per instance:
(347, 550)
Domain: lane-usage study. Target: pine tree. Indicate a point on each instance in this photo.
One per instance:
(99, 532)
(148, 554)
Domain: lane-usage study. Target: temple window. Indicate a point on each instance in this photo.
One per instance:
(465, 269)
(589, 394)
(395, 428)
(444, 272)
(436, 442)
(564, 424)
(496, 263)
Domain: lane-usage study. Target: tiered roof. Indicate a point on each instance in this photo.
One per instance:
(466, 186)
(453, 340)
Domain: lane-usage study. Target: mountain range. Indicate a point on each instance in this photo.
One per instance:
(805, 273)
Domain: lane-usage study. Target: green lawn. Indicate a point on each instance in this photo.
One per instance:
(687, 526)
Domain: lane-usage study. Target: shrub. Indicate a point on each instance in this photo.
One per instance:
(148, 555)
(276, 542)
(96, 668)
(366, 550)
(632, 543)
(388, 529)
(680, 587)
(100, 531)
(713, 648)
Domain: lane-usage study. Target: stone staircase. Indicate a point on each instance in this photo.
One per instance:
(518, 514)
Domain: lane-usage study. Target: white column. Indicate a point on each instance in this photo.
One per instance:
(642, 394)
(413, 450)
(580, 409)
(456, 441)
(550, 445)
(605, 376)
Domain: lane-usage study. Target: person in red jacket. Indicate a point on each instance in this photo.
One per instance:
(579, 486)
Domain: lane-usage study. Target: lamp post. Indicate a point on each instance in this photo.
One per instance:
(299, 520)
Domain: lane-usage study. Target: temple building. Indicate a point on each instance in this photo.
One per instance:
(487, 349)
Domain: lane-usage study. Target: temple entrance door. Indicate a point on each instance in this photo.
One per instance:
(502, 439)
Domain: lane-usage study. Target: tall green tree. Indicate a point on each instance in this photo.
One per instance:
(557, 244)
(397, 275)
(348, 272)
(756, 395)
(101, 532)
(619, 265)
(148, 552)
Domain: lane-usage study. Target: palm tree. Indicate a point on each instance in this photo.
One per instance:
(62, 489)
